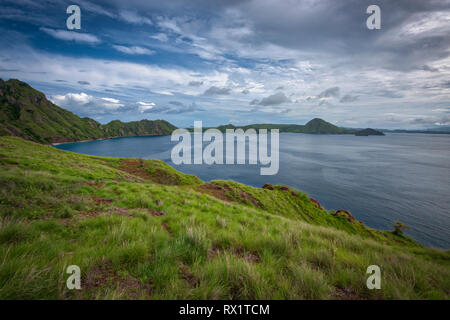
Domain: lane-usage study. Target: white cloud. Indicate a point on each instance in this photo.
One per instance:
(133, 50)
(111, 100)
(79, 98)
(163, 92)
(145, 106)
(85, 104)
(161, 37)
(133, 17)
(120, 76)
(71, 35)
(92, 7)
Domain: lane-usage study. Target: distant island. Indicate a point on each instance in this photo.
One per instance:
(315, 126)
(369, 132)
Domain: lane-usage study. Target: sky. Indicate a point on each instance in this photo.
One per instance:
(239, 62)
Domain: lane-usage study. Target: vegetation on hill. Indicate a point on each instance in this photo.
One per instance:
(315, 126)
(369, 132)
(139, 229)
(26, 112)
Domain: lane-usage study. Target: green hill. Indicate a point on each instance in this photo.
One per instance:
(25, 112)
(315, 126)
(320, 126)
(139, 229)
(369, 132)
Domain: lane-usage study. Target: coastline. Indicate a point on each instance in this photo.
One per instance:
(101, 139)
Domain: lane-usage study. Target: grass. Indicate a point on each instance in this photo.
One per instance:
(138, 229)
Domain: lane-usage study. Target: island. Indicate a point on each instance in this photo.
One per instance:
(369, 132)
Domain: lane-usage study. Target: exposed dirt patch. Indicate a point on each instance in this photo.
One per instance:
(214, 190)
(345, 214)
(222, 192)
(99, 200)
(316, 203)
(268, 186)
(156, 213)
(122, 212)
(105, 276)
(346, 294)
(249, 197)
(249, 256)
(68, 222)
(187, 275)
(90, 214)
(135, 167)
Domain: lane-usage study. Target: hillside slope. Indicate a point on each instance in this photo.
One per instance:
(314, 126)
(140, 229)
(26, 112)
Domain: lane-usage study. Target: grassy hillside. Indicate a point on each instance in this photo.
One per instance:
(139, 229)
(25, 112)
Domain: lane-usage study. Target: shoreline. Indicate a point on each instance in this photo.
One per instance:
(87, 140)
(101, 139)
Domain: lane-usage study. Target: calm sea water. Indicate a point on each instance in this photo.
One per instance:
(380, 180)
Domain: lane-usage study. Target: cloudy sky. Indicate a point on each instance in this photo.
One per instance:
(236, 61)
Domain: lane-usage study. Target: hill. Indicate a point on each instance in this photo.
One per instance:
(314, 126)
(369, 132)
(140, 229)
(26, 112)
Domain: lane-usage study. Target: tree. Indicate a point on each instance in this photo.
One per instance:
(398, 228)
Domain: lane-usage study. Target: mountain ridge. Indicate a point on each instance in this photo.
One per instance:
(26, 112)
(314, 126)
